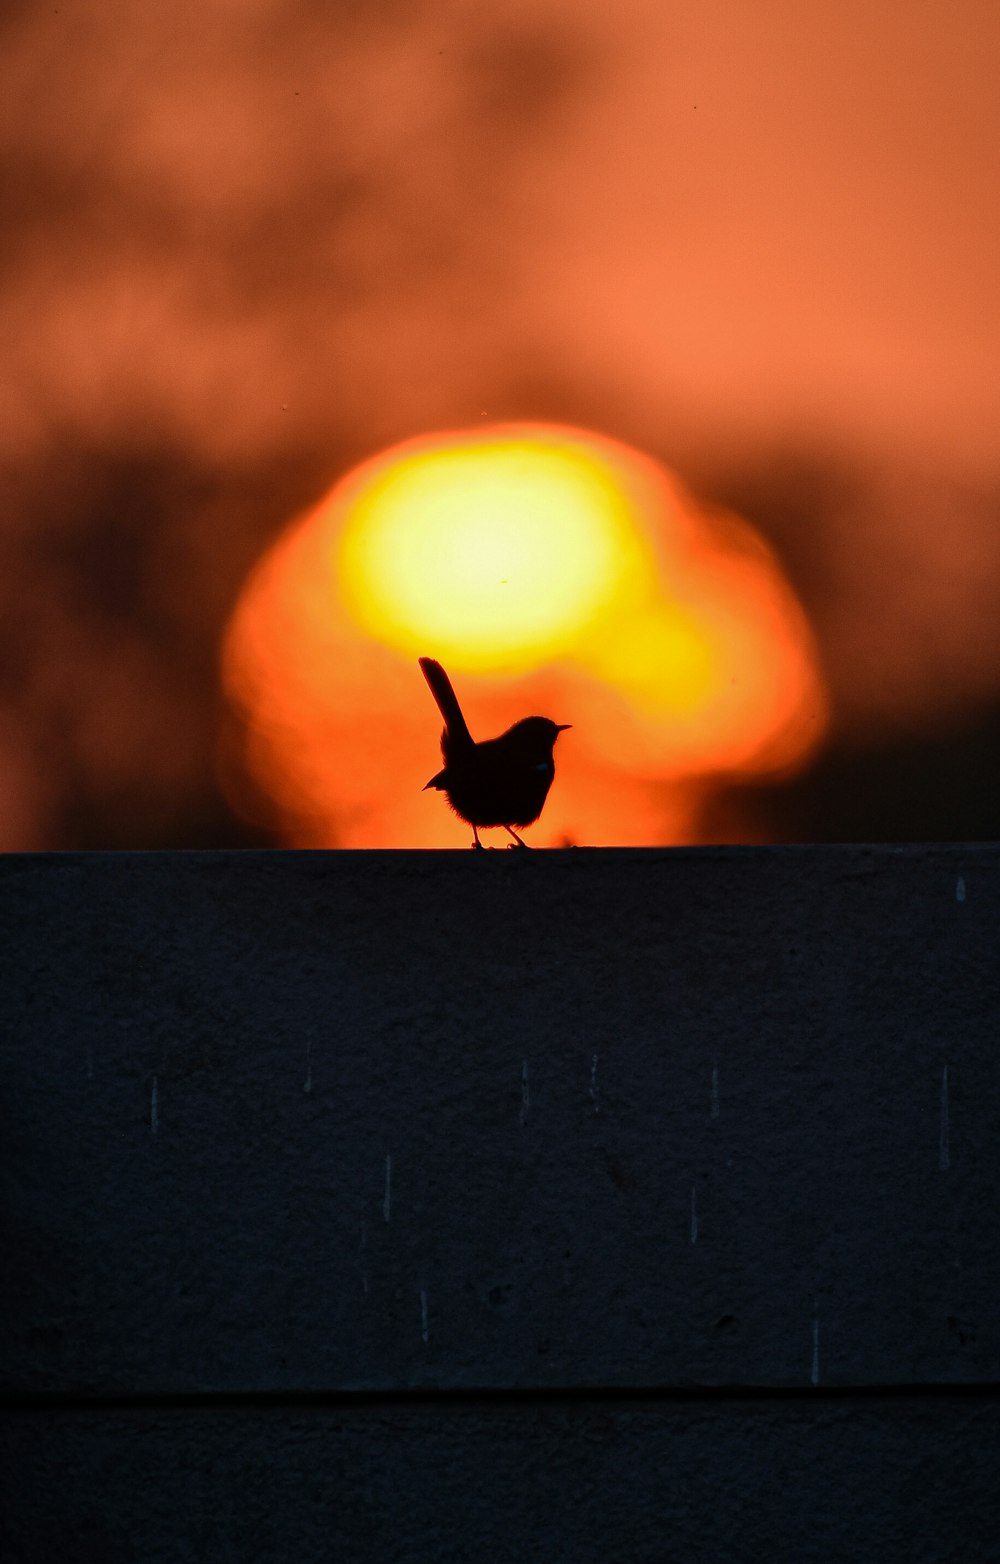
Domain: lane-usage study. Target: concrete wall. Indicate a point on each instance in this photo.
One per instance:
(572, 1205)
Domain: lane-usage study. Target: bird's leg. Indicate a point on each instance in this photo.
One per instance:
(514, 834)
(477, 842)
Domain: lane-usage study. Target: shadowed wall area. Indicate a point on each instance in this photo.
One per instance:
(611, 1204)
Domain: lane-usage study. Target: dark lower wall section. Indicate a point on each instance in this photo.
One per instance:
(896, 1481)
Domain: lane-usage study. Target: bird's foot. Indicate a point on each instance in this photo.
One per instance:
(517, 842)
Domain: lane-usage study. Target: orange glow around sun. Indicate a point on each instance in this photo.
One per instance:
(552, 571)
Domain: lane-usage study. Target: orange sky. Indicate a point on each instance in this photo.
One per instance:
(742, 219)
(257, 236)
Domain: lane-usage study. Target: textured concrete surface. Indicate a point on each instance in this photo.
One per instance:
(332, 1121)
(300, 1147)
(892, 1482)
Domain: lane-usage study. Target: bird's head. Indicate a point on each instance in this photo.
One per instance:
(536, 737)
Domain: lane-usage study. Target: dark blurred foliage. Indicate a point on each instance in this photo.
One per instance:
(903, 767)
(114, 591)
(944, 787)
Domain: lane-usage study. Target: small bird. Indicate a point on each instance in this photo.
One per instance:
(501, 782)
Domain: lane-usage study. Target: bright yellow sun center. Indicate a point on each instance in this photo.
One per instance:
(495, 553)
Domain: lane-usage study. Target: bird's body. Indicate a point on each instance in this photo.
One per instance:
(500, 782)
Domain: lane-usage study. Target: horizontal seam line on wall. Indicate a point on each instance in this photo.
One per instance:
(552, 1396)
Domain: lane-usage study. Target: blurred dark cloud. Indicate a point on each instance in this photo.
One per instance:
(939, 786)
(245, 244)
(899, 569)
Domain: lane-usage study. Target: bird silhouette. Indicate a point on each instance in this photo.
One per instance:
(500, 782)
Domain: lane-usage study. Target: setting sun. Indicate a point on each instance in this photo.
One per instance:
(553, 571)
(498, 553)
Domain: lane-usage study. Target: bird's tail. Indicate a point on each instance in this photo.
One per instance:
(455, 726)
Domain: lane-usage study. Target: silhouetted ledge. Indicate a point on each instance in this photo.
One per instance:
(335, 1122)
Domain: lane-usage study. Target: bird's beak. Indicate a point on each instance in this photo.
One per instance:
(562, 726)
